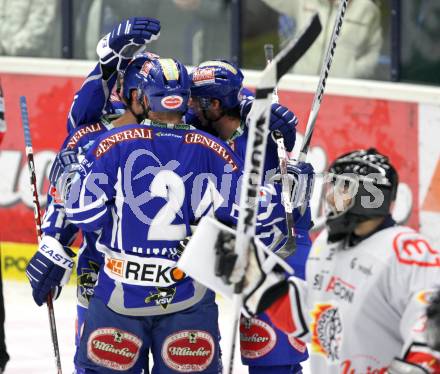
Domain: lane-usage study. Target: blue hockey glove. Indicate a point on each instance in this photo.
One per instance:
(65, 159)
(301, 178)
(284, 121)
(49, 269)
(63, 169)
(116, 49)
(281, 119)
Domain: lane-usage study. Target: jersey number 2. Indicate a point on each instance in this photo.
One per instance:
(169, 185)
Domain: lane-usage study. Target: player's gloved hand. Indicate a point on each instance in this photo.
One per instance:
(64, 167)
(263, 278)
(284, 120)
(49, 269)
(281, 119)
(301, 180)
(116, 49)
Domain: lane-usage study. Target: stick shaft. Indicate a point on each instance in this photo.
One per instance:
(256, 150)
(37, 217)
(325, 70)
(289, 246)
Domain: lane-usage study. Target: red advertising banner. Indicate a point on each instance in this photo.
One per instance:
(348, 123)
(49, 99)
(344, 124)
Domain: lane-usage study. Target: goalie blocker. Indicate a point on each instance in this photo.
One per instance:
(209, 259)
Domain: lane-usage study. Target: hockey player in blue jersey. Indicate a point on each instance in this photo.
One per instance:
(221, 105)
(90, 115)
(160, 180)
(115, 50)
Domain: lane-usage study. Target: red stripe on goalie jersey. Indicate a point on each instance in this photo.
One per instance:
(280, 313)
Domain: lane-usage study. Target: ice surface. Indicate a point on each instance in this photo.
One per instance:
(28, 336)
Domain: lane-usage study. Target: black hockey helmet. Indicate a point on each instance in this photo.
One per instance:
(360, 185)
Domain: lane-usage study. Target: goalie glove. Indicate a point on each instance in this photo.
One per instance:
(301, 177)
(264, 278)
(398, 366)
(49, 269)
(116, 49)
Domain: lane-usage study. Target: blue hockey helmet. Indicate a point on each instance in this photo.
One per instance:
(164, 81)
(217, 79)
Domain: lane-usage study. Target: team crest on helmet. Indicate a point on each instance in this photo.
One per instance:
(146, 67)
(203, 76)
(172, 102)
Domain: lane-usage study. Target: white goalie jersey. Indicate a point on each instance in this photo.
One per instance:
(365, 305)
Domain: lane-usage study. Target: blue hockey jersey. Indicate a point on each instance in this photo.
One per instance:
(143, 187)
(55, 223)
(93, 100)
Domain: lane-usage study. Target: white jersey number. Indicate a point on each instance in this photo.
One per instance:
(169, 185)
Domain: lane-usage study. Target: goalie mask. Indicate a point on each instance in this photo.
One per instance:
(359, 186)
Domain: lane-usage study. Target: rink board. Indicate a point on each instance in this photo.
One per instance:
(15, 257)
(400, 120)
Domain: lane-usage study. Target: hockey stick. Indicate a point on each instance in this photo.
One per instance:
(37, 216)
(289, 246)
(325, 70)
(258, 127)
(268, 55)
